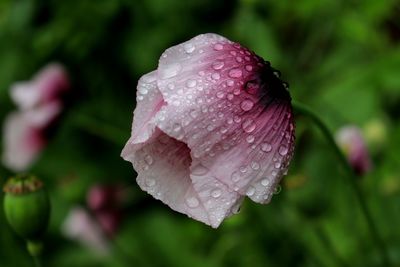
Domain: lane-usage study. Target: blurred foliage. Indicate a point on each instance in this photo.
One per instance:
(340, 57)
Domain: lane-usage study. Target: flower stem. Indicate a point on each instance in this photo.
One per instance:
(305, 111)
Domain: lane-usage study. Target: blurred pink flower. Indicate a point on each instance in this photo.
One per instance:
(350, 139)
(212, 125)
(80, 226)
(39, 105)
(106, 201)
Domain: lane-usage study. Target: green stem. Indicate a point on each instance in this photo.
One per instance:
(35, 249)
(305, 111)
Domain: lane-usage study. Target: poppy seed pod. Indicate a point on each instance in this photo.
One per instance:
(26, 206)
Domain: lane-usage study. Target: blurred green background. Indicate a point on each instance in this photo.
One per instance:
(342, 58)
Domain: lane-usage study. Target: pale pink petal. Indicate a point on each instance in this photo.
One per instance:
(351, 140)
(80, 226)
(46, 86)
(22, 142)
(23, 135)
(163, 167)
(149, 102)
(231, 109)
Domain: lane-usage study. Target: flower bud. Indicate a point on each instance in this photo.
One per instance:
(26, 206)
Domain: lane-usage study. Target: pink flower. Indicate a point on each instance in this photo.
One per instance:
(351, 141)
(80, 226)
(212, 125)
(24, 130)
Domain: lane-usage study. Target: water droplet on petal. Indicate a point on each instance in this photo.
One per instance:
(150, 182)
(192, 202)
(230, 82)
(265, 182)
(177, 127)
(249, 67)
(235, 73)
(249, 125)
(215, 76)
(220, 94)
(169, 70)
(250, 139)
(255, 165)
(235, 177)
(266, 147)
(148, 159)
(250, 191)
(218, 47)
(191, 83)
(283, 150)
(199, 170)
(216, 193)
(239, 59)
(194, 113)
(189, 48)
(218, 65)
(277, 165)
(247, 104)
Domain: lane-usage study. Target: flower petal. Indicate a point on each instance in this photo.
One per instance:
(22, 142)
(231, 109)
(149, 102)
(163, 166)
(45, 87)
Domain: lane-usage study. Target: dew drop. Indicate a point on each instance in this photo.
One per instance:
(248, 125)
(170, 70)
(250, 139)
(191, 83)
(235, 177)
(235, 73)
(250, 191)
(277, 165)
(283, 150)
(249, 67)
(237, 119)
(239, 59)
(177, 127)
(265, 182)
(216, 193)
(189, 48)
(150, 182)
(230, 82)
(230, 96)
(148, 159)
(218, 65)
(218, 47)
(194, 114)
(171, 86)
(220, 94)
(247, 104)
(266, 147)
(192, 202)
(215, 76)
(199, 170)
(255, 165)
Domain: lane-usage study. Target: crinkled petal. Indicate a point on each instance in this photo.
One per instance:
(47, 86)
(149, 102)
(163, 166)
(231, 109)
(21, 141)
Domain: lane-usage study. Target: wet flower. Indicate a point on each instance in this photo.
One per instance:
(39, 103)
(80, 226)
(351, 141)
(212, 125)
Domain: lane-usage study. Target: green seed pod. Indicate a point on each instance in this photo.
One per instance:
(27, 206)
